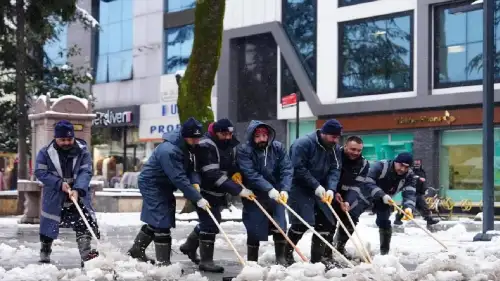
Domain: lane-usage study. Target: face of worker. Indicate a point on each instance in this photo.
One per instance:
(261, 139)
(192, 142)
(400, 168)
(353, 150)
(65, 143)
(329, 140)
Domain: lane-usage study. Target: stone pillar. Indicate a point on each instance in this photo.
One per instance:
(45, 113)
(426, 148)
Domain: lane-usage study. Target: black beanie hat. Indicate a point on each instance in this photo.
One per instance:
(223, 125)
(404, 158)
(332, 127)
(192, 129)
(64, 129)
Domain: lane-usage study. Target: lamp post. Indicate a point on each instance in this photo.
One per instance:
(488, 7)
(488, 116)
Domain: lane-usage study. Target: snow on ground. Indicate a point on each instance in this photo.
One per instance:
(464, 259)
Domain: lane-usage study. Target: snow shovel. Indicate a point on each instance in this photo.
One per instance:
(89, 228)
(280, 230)
(344, 259)
(360, 252)
(357, 235)
(421, 227)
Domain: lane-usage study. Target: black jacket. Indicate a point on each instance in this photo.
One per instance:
(352, 177)
(216, 165)
(420, 186)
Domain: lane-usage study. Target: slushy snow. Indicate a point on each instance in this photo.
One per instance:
(464, 259)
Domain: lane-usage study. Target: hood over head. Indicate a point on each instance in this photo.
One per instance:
(254, 124)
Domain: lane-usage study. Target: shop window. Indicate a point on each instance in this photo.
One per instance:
(300, 24)
(179, 5)
(376, 55)
(178, 46)
(305, 127)
(458, 48)
(119, 156)
(343, 3)
(386, 146)
(114, 61)
(461, 160)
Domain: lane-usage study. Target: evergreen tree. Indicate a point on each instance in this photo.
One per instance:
(41, 22)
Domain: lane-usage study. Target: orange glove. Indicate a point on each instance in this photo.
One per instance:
(408, 214)
(237, 178)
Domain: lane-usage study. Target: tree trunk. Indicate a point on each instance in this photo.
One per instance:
(22, 121)
(195, 88)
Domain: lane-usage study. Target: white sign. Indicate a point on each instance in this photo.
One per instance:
(157, 119)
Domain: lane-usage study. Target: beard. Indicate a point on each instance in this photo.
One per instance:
(262, 145)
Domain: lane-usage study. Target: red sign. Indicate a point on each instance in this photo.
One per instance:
(288, 101)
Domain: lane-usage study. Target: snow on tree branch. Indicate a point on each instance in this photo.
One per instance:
(87, 18)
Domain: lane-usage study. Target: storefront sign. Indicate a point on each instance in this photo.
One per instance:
(117, 117)
(409, 120)
(446, 118)
(157, 119)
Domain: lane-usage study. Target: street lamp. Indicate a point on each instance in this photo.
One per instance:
(488, 7)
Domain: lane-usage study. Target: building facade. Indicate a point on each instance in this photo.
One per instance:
(405, 75)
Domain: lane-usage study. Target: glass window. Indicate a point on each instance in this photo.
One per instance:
(56, 49)
(386, 146)
(376, 55)
(179, 5)
(299, 21)
(461, 160)
(178, 45)
(343, 3)
(115, 41)
(458, 47)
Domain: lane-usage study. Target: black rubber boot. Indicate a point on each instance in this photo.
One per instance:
(45, 252)
(190, 247)
(342, 239)
(279, 249)
(163, 248)
(295, 237)
(328, 251)
(85, 248)
(397, 220)
(431, 221)
(317, 249)
(385, 240)
(252, 253)
(207, 254)
(138, 249)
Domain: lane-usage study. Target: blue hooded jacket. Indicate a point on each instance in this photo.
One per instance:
(171, 166)
(263, 170)
(50, 172)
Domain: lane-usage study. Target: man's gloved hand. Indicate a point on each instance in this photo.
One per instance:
(328, 197)
(65, 187)
(320, 192)
(408, 214)
(247, 193)
(339, 198)
(203, 203)
(197, 187)
(284, 196)
(73, 195)
(274, 194)
(387, 200)
(346, 207)
(237, 178)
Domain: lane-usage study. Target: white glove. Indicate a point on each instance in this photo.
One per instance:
(387, 200)
(320, 192)
(284, 196)
(246, 193)
(274, 194)
(329, 196)
(203, 203)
